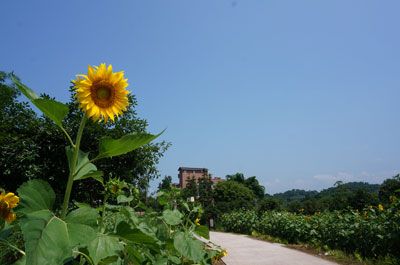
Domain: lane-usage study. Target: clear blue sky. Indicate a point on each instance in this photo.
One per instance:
(297, 93)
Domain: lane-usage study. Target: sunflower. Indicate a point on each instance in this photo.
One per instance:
(7, 203)
(102, 93)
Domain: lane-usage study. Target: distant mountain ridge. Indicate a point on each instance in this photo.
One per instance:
(298, 194)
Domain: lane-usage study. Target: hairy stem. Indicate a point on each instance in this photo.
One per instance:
(68, 137)
(8, 244)
(73, 167)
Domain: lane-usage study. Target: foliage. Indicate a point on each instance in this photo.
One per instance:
(18, 140)
(373, 232)
(390, 187)
(268, 204)
(165, 183)
(231, 195)
(240, 221)
(206, 198)
(114, 232)
(251, 183)
(191, 189)
(355, 195)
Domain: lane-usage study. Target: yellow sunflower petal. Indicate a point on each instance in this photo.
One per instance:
(91, 74)
(11, 199)
(10, 217)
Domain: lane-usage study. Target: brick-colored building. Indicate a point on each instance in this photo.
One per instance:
(186, 173)
(216, 180)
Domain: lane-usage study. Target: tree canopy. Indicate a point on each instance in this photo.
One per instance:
(390, 187)
(232, 195)
(250, 182)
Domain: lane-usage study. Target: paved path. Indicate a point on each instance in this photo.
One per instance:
(243, 250)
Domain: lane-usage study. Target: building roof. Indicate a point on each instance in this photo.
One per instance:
(193, 168)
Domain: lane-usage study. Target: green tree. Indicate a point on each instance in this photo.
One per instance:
(390, 187)
(231, 195)
(268, 204)
(238, 177)
(205, 190)
(19, 147)
(165, 183)
(206, 197)
(361, 199)
(251, 183)
(191, 189)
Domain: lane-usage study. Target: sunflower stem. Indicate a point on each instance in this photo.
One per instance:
(68, 137)
(73, 167)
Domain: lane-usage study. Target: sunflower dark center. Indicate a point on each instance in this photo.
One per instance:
(103, 94)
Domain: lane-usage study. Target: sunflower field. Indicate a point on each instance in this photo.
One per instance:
(371, 233)
(121, 229)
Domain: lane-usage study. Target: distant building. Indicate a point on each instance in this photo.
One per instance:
(186, 173)
(216, 180)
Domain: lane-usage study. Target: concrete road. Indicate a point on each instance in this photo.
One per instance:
(243, 250)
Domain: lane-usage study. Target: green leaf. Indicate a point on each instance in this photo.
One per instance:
(114, 260)
(162, 198)
(36, 195)
(134, 255)
(50, 240)
(83, 215)
(80, 224)
(122, 198)
(125, 231)
(103, 246)
(161, 261)
(145, 228)
(54, 110)
(172, 217)
(188, 247)
(21, 261)
(29, 93)
(96, 175)
(46, 239)
(6, 232)
(175, 259)
(202, 231)
(114, 147)
(163, 231)
(83, 169)
(80, 234)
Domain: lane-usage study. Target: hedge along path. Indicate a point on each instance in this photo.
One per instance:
(243, 250)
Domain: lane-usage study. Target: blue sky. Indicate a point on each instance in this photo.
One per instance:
(298, 93)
